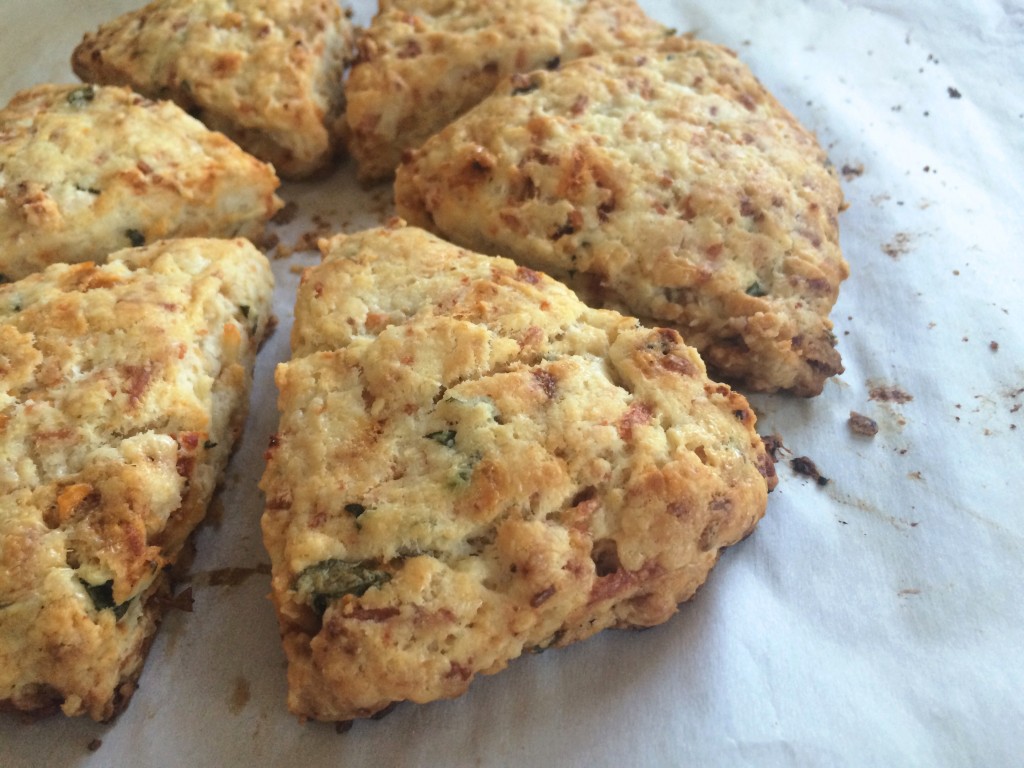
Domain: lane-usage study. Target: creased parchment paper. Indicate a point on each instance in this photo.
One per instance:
(874, 620)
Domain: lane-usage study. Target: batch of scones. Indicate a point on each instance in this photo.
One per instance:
(497, 431)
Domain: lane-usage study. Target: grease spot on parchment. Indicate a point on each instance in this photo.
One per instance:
(240, 695)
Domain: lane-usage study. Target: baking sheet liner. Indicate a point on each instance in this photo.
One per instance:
(873, 620)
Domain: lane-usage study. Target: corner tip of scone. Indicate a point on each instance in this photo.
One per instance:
(125, 388)
(471, 464)
(88, 170)
(267, 74)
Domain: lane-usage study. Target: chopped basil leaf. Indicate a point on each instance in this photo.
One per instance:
(81, 96)
(135, 237)
(321, 583)
(102, 596)
(755, 289)
(444, 437)
(355, 509)
(244, 309)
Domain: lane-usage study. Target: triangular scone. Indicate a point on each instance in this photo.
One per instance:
(268, 73)
(421, 63)
(471, 463)
(665, 181)
(89, 170)
(123, 389)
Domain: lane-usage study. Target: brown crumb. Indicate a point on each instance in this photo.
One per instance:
(889, 394)
(94, 745)
(287, 214)
(916, 475)
(773, 444)
(851, 172)
(804, 466)
(862, 425)
(908, 592)
(994, 346)
(953, 92)
(899, 245)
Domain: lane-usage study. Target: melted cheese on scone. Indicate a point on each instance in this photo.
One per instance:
(471, 463)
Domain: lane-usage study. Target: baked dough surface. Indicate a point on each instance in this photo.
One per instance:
(471, 463)
(89, 170)
(666, 182)
(421, 63)
(268, 73)
(124, 388)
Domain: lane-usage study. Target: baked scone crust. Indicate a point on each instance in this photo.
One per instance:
(268, 73)
(89, 170)
(124, 388)
(471, 463)
(664, 181)
(421, 63)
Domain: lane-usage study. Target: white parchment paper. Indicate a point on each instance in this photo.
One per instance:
(876, 620)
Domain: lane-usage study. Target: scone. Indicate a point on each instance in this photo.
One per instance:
(421, 63)
(89, 170)
(663, 181)
(268, 73)
(124, 387)
(471, 463)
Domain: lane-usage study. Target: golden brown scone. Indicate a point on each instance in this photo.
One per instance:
(471, 463)
(421, 63)
(663, 181)
(89, 170)
(268, 73)
(124, 387)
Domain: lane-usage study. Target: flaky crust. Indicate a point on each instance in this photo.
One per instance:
(124, 387)
(89, 170)
(665, 181)
(471, 464)
(268, 73)
(421, 63)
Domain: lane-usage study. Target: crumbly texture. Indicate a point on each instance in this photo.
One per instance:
(422, 63)
(124, 387)
(471, 463)
(663, 181)
(89, 170)
(268, 73)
